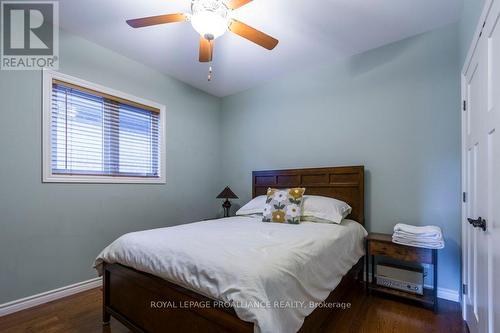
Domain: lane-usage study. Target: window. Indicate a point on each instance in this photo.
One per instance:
(95, 134)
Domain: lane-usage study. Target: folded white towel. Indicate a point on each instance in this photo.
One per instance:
(427, 245)
(429, 237)
(424, 231)
(426, 237)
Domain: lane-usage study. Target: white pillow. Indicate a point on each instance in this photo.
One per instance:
(323, 209)
(254, 206)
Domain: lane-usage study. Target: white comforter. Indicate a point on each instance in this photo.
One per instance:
(267, 269)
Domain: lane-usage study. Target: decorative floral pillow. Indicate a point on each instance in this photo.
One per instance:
(283, 205)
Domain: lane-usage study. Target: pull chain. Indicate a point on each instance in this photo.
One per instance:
(209, 73)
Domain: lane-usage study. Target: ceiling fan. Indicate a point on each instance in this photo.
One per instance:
(211, 19)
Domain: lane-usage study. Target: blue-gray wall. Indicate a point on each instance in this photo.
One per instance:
(395, 110)
(51, 233)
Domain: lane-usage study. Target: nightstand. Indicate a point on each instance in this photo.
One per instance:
(382, 245)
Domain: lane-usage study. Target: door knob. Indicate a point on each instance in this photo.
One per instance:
(479, 223)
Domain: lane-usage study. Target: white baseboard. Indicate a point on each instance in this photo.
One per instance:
(449, 294)
(51, 295)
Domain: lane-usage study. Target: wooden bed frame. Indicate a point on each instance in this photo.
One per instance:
(128, 293)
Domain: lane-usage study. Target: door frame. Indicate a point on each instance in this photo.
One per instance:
(464, 99)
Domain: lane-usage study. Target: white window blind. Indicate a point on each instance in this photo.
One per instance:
(96, 134)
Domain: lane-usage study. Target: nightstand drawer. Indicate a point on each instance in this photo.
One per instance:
(401, 252)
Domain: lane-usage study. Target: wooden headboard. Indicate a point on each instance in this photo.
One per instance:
(343, 183)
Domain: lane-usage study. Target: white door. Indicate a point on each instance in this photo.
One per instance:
(481, 168)
(475, 277)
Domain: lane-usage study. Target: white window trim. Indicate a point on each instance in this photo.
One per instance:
(49, 177)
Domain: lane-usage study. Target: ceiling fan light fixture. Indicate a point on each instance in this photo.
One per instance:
(209, 18)
(209, 25)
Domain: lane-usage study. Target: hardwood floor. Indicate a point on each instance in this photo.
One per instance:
(368, 314)
(378, 314)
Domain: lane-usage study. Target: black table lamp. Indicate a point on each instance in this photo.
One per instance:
(227, 194)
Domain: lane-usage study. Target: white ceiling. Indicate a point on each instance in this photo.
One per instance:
(309, 31)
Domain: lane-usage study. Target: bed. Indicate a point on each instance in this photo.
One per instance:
(239, 274)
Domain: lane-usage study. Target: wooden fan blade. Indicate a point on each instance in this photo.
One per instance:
(206, 49)
(154, 20)
(253, 35)
(234, 4)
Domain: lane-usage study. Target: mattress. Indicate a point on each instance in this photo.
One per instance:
(274, 274)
